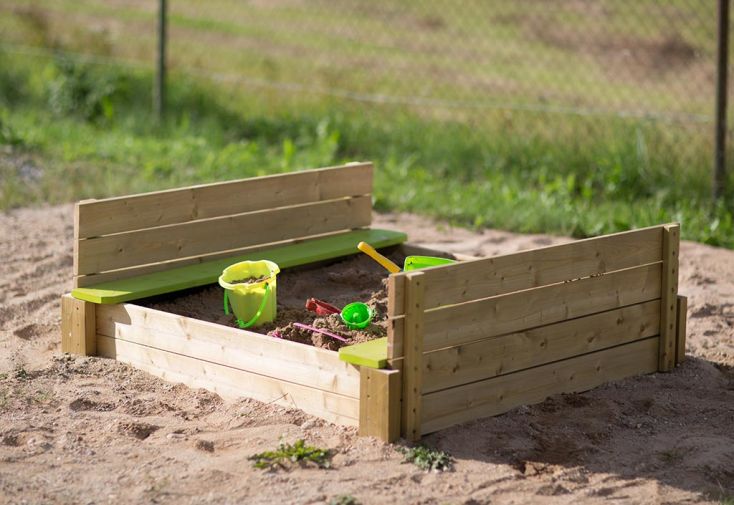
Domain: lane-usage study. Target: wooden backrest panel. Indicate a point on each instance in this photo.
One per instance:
(225, 233)
(518, 311)
(129, 234)
(472, 299)
(476, 279)
(151, 210)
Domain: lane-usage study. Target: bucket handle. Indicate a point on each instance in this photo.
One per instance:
(249, 323)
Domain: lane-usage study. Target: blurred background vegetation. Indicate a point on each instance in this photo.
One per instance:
(573, 117)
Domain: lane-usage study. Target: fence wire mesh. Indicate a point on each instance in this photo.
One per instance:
(577, 73)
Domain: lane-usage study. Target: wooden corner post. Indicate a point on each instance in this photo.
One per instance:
(413, 352)
(379, 403)
(680, 331)
(78, 326)
(669, 298)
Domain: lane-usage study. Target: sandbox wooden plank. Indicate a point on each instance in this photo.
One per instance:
(669, 295)
(78, 321)
(231, 382)
(201, 274)
(500, 394)
(244, 357)
(482, 278)
(413, 363)
(339, 241)
(379, 404)
(505, 354)
(460, 324)
(247, 350)
(159, 208)
(151, 245)
(680, 330)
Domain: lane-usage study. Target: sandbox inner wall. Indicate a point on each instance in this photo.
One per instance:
(351, 279)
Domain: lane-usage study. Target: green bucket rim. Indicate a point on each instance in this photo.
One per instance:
(272, 266)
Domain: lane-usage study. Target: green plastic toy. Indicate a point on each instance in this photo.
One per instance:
(417, 262)
(411, 262)
(357, 315)
(253, 303)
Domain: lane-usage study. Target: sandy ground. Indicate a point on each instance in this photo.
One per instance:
(89, 430)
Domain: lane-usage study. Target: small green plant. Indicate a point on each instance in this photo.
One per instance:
(21, 373)
(298, 452)
(8, 136)
(343, 499)
(671, 456)
(42, 396)
(78, 91)
(428, 459)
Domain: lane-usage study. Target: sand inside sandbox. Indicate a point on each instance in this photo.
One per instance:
(354, 279)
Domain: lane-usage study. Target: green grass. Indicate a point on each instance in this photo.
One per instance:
(65, 139)
(344, 499)
(617, 55)
(20, 373)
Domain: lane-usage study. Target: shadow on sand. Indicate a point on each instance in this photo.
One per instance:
(674, 428)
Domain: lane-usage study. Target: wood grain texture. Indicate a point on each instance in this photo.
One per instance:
(151, 210)
(220, 234)
(461, 324)
(395, 334)
(231, 382)
(413, 362)
(395, 326)
(238, 355)
(78, 335)
(500, 394)
(680, 330)
(505, 354)
(205, 269)
(246, 350)
(483, 278)
(669, 296)
(379, 404)
(176, 277)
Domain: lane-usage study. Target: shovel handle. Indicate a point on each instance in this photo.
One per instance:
(382, 260)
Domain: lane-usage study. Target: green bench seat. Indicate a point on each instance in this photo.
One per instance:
(201, 274)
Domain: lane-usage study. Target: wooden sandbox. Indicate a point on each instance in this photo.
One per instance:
(467, 340)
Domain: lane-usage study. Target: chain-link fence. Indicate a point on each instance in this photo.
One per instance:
(636, 74)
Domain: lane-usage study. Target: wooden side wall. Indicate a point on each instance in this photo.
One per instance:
(499, 332)
(230, 361)
(128, 236)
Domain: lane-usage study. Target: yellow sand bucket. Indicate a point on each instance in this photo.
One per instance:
(253, 302)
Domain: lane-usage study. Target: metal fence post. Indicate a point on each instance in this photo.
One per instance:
(719, 183)
(159, 87)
